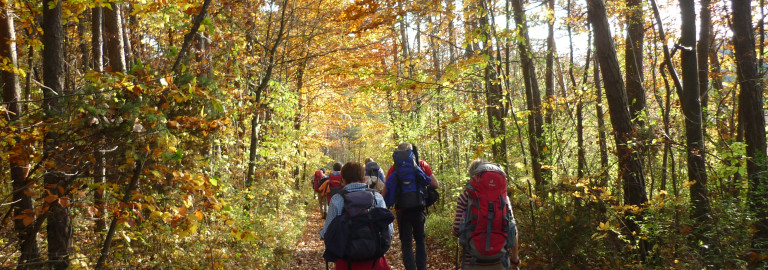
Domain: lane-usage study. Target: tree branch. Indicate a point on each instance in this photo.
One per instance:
(188, 36)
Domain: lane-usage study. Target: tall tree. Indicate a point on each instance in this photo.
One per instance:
(270, 54)
(633, 61)
(691, 106)
(56, 182)
(493, 92)
(99, 170)
(630, 165)
(549, 73)
(113, 31)
(97, 39)
(751, 108)
(532, 96)
(602, 138)
(702, 50)
(23, 208)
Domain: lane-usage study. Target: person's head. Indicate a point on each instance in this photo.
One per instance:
(368, 160)
(405, 146)
(352, 172)
(322, 170)
(337, 166)
(474, 165)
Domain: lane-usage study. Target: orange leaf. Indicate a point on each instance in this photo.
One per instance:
(51, 198)
(64, 201)
(27, 220)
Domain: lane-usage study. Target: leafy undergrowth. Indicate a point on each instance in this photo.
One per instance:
(230, 238)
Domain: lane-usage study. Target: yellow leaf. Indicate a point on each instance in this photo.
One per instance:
(155, 214)
(689, 184)
(199, 215)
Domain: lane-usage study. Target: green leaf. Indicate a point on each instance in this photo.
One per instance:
(214, 181)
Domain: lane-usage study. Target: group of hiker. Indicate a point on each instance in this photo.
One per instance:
(354, 201)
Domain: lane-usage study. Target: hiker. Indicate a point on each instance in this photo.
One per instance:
(334, 184)
(363, 232)
(406, 186)
(374, 175)
(318, 180)
(486, 246)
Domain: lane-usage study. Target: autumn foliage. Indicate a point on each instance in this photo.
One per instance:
(135, 163)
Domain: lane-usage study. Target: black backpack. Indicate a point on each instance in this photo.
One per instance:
(361, 232)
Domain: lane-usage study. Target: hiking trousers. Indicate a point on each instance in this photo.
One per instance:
(411, 225)
(323, 204)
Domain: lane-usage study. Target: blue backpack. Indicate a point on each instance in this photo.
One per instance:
(361, 232)
(407, 181)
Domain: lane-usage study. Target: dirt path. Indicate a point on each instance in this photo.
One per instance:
(308, 252)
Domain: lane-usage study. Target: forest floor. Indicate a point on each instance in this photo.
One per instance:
(308, 252)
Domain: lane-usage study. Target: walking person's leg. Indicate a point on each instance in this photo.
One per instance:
(405, 224)
(420, 235)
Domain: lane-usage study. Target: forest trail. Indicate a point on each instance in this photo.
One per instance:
(308, 252)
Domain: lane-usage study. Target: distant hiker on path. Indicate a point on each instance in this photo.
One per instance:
(374, 175)
(318, 181)
(484, 221)
(406, 187)
(334, 184)
(358, 230)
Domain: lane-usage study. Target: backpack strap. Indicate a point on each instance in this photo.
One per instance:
(373, 197)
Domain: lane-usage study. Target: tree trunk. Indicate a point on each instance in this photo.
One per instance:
(83, 46)
(602, 138)
(633, 61)
(549, 74)
(99, 170)
(761, 33)
(97, 39)
(114, 38)
(132, 186)
(717, 86)
(702, 50)
(125, 30)
(532, 96)
(493, 95)
(630, 164)
(691, 106)
(23, 205)
(254, 148)
(751, 108)
(261, 90)
(56, 183)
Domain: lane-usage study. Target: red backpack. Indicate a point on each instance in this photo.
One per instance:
(487, 229)
(335, 184)
(318, 181)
